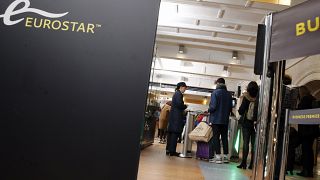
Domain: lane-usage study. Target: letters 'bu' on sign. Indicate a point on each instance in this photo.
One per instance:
(296, 32)
(309, 116)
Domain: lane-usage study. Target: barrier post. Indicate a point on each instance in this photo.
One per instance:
(285, 146)
(263, 109)
(187, 143)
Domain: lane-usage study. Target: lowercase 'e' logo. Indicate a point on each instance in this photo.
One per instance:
(26, 8)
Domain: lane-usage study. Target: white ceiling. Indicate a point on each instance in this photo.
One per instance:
(210, 30)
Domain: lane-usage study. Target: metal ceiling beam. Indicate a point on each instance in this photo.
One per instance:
(205, 61)
(206, 45)
(215, 19)
(224, 5)
(203, 75)
(200, 38)
(206, 28)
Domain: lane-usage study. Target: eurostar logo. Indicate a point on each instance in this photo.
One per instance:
(47, 23)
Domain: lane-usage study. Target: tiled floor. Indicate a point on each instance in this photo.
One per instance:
(222, 171)
(155, 165)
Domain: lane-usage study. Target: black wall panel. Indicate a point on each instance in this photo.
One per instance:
(72, 103)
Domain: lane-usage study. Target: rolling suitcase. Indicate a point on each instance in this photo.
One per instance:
(203, 151)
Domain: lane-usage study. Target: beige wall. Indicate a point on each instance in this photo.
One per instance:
(306, 72)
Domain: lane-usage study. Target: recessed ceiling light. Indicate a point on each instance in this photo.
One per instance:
(234, 54)
(227, 26)
(181, 49)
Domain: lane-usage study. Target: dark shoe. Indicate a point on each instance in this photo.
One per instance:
(305, 174)
(174, 154)
(251, 164)
(242, 166)
(167, 152)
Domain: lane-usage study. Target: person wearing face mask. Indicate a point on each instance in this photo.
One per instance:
(175, 127)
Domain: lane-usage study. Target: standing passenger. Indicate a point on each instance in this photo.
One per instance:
(163, 121)
(307, 134)
(220, 108)
(176, 119)
(246, 111)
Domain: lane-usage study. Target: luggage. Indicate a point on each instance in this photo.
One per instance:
(203, 132)
(203, 151)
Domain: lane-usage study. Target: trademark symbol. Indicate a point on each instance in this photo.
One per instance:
(98, 25)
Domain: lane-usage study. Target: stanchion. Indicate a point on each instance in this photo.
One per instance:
(285, 146)
(234, 141)
(187, 143)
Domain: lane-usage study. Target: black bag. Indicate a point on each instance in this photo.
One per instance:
(241, 120)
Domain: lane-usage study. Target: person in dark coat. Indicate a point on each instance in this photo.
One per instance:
(176, 123)
(220, 108)
(307, 134)
(248, 124)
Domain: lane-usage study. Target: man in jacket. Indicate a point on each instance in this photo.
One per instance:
(220, 108)
(176, 119)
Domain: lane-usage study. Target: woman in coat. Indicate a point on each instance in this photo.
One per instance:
(163, 121)
(248, 123)
(175, 127)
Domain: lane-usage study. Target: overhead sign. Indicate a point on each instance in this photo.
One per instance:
(74, 78)
(50, 22)
(310, 116)
(296, 32)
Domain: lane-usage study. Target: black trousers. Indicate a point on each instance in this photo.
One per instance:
(249, 135)
(220, 130)
(290, 157)
(163, 134)
(307, 154)
(172, 142)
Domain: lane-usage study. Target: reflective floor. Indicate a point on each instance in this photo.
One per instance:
(155, 165)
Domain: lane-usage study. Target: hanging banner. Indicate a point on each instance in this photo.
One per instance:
(296, 32)
(74, 78)
(309, 116)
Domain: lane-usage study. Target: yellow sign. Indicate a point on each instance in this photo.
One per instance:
(309, 26)
(280, 2)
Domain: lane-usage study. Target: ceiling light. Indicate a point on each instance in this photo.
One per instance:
(234, 54)
(248, 3)
(214, 34)
(280, 2)
(184, 79)
(237, 27)
(197, 22)
(220, 13)
(227, 26)
(226, 72)
(181, 49)
(225, 68)
(205, 100)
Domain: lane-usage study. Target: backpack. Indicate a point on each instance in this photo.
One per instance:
(250, 111)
